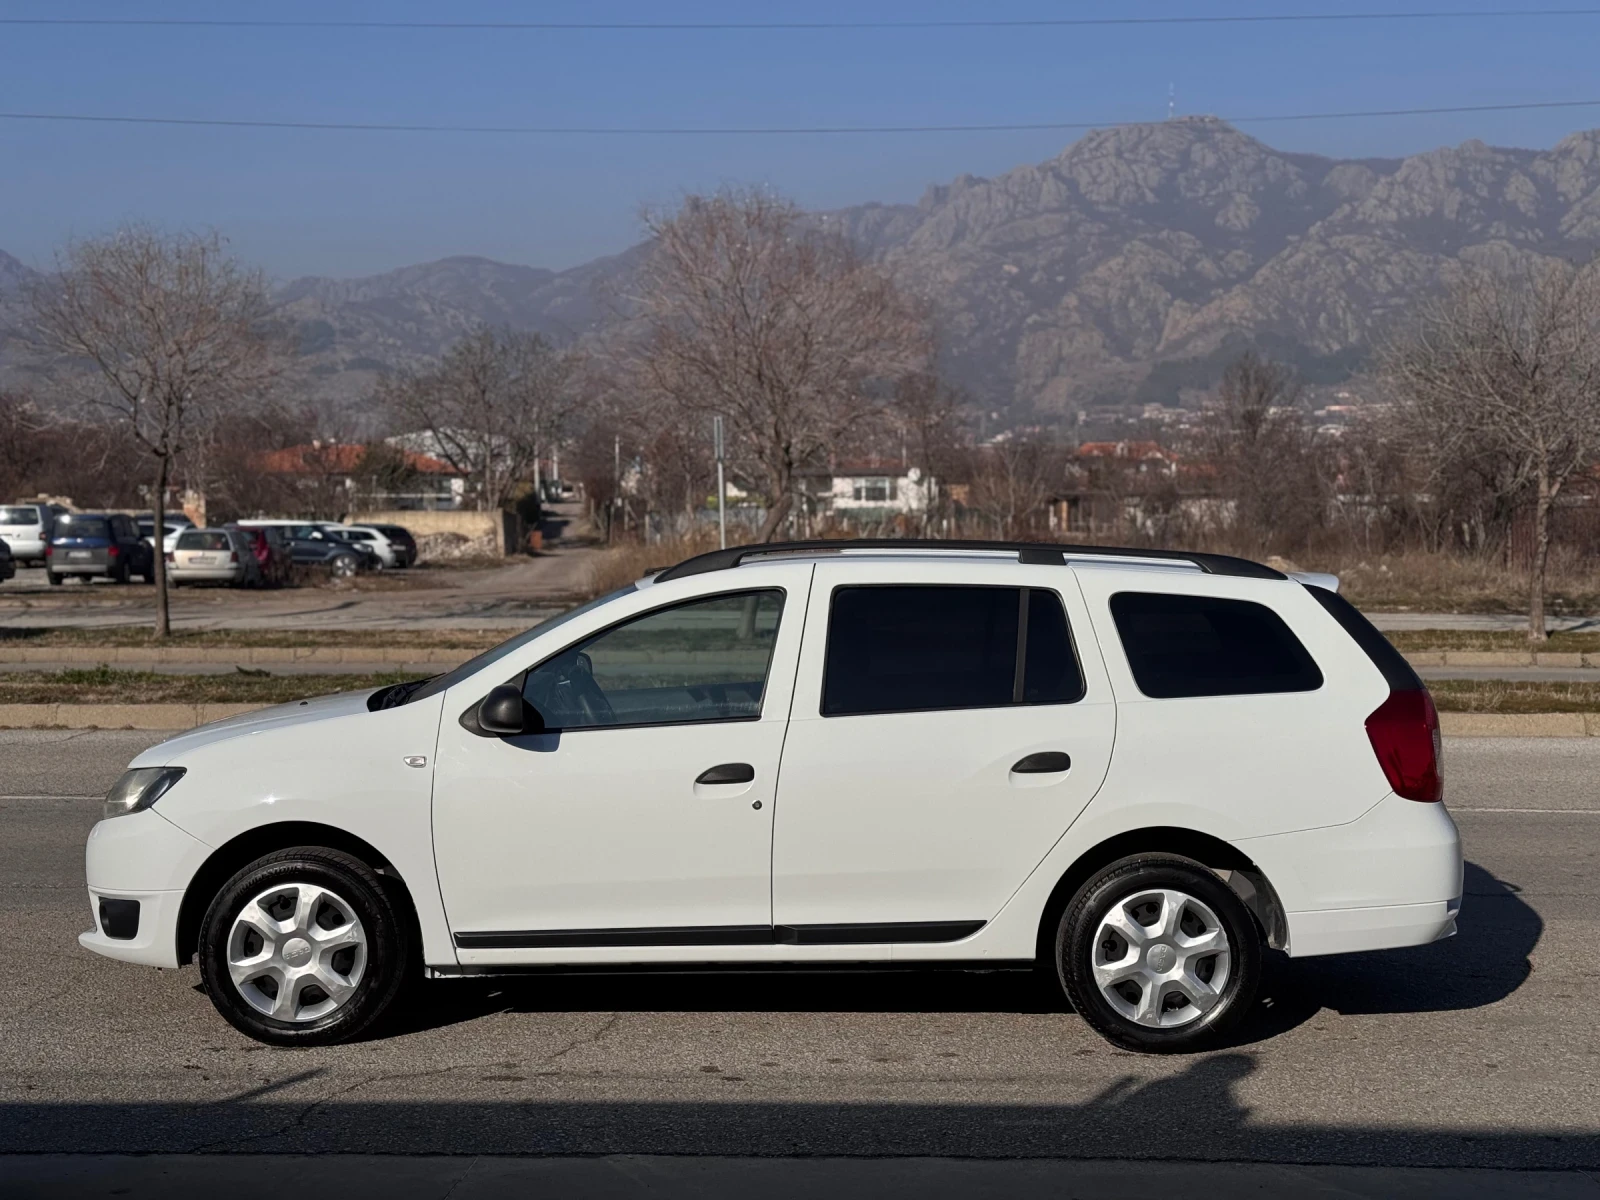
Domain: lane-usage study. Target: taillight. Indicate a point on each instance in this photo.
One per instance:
(170, 557)
(234, 558)
(111, 551)
(49, 550)
(1404, 732)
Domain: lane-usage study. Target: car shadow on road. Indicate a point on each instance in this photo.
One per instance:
(1190, 1112)
(1483, 964)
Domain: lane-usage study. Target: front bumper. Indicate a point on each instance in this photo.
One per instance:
(146, 858)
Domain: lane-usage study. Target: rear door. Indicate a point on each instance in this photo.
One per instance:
(944, 735)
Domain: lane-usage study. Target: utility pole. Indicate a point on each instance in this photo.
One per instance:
(722, 490)
(616, 485)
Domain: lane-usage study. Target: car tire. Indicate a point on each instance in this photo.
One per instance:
(1158, 954)
(55, 580)
(343, 566)
(318, 921)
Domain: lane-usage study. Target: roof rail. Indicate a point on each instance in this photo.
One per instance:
(1035, 553)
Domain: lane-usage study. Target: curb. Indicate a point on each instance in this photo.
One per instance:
(117, 716)
(128, 656)
(187, 716)
(1501, 658)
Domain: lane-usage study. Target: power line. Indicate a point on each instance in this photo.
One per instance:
(755, 130)
(757, 26)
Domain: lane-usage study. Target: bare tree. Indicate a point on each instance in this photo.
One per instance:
(1257, 441)
(1012, 482)
(751, 310)
(490, 408)
(1507, 364)
(174, 333)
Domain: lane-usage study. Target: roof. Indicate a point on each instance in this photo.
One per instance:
(342, 458)
(1136, 450)
(1031, 553)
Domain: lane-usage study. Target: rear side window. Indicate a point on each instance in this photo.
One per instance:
(926, 648)
(1208, 646)
(19, 516)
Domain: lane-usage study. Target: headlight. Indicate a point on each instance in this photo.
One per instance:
(139, 788)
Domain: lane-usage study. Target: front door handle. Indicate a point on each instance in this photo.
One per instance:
(727, 773)
(1046, 762)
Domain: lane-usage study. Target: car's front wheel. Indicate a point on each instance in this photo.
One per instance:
(303, 947)
(1158, 954)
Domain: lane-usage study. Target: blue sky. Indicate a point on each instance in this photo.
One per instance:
(353, 203)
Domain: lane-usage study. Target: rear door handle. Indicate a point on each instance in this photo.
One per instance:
(728, 773)
(1046, 762)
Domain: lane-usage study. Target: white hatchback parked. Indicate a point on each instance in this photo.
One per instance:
(1134, 768)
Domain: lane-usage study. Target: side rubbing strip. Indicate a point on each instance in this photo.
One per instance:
(691, 935)
(926, 932)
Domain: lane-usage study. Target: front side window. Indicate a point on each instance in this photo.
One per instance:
(1207, 646)
(705, 660)
(924, 648)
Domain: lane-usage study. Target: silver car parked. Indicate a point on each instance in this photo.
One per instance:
(213, 556)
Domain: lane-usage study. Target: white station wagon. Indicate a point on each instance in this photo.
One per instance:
(1135, 769)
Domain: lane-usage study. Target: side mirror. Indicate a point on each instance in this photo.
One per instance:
(504, 713)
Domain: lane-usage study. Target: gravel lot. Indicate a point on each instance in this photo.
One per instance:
(1479, 1051)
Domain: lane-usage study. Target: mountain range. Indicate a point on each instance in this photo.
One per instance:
(1125, 269)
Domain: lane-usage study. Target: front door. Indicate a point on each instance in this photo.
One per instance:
(643, 816)
(943, 737)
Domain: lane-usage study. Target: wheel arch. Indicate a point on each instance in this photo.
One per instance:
(1234, 867)
(230, 857)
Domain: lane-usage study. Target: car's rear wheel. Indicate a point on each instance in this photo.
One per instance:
(55, 580)
(1158, 954)
(303, 947)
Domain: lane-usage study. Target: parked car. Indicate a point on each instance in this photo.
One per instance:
(316, 544)
(1137, 768)
(171, 526)
(213, 556)
(339, 559)
(271, 549)
(405, 546)
(25, 529)
(388, 554)
(91, 544)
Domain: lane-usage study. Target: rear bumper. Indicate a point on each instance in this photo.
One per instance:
(1349, 930)
(1390, 878)
(81, 567)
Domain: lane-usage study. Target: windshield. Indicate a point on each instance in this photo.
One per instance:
(19, 516)
(449, 679)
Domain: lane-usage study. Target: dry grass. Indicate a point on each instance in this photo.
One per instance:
(1447, 583)
(626, 562)
(1513, 696)
(106, 685)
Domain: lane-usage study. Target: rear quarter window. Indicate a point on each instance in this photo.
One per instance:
(1180, 646)
(19, 516)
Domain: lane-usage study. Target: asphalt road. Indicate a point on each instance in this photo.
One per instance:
(1478, 1051)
